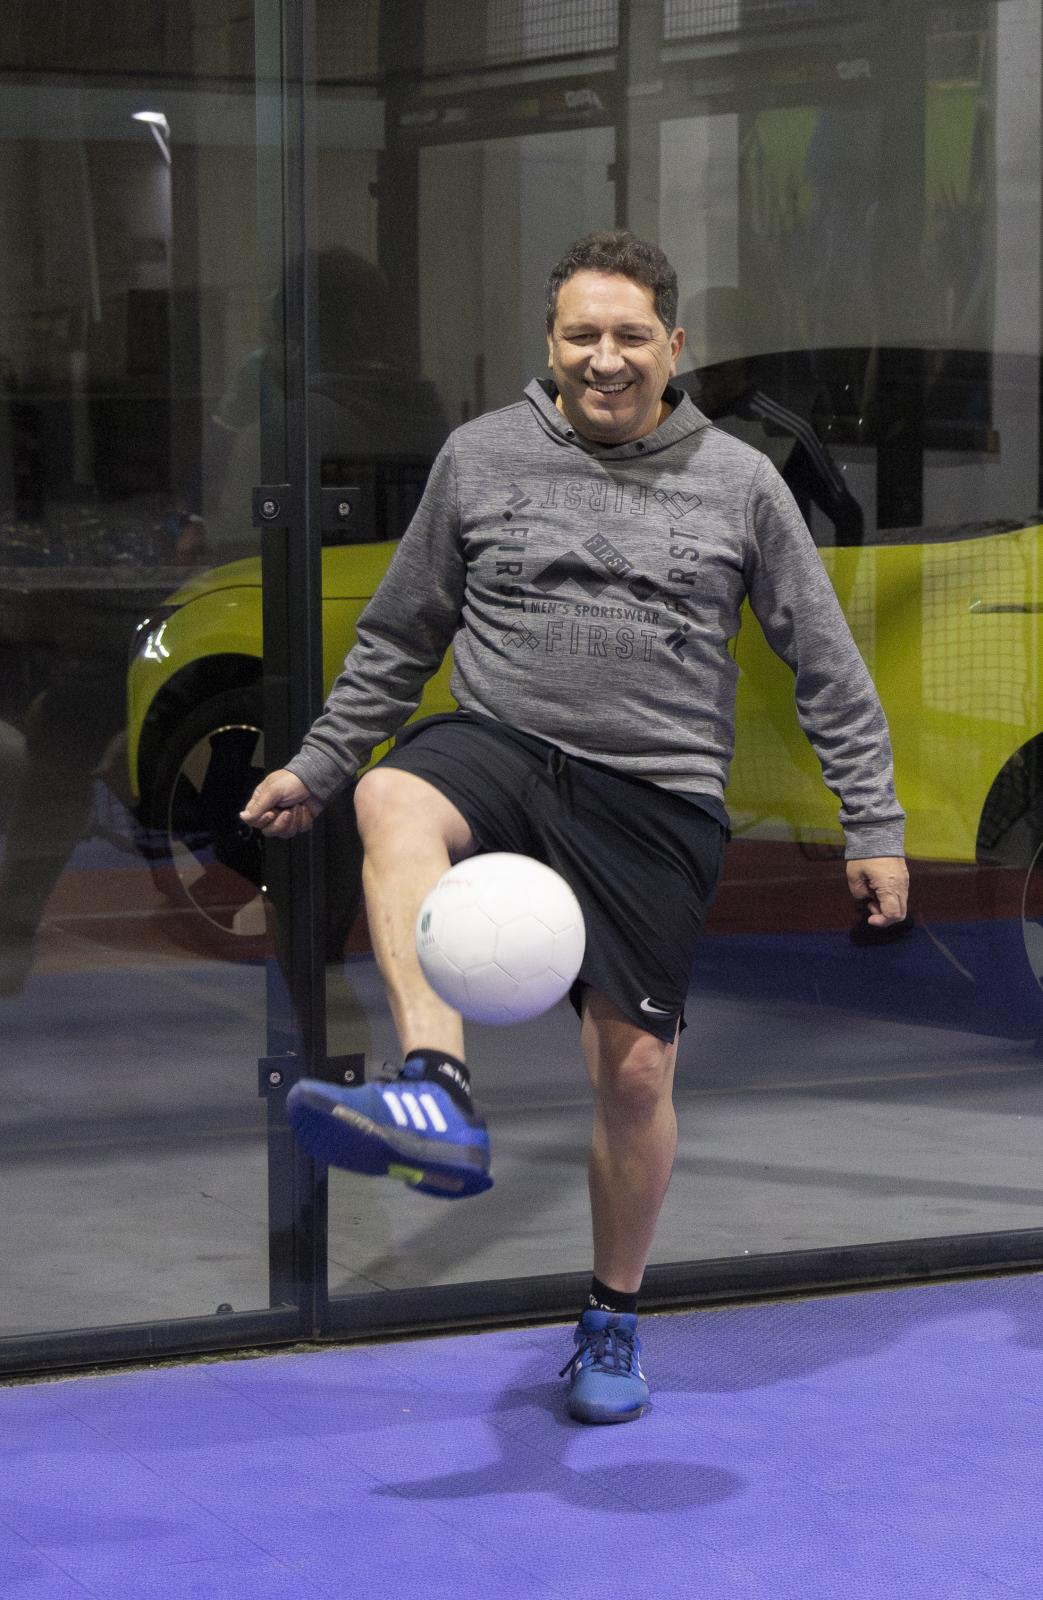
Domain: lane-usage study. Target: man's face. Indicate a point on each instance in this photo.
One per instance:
(611, 356)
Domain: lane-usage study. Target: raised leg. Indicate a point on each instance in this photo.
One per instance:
(411, 834)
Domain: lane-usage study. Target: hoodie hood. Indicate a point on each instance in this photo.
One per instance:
(684, 420)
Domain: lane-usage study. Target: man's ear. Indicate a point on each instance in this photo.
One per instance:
(676, 346)
(550, 347)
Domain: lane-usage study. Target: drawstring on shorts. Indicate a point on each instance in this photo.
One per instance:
(560, 772)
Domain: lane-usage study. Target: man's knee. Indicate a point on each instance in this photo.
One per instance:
(386, 798)
(390, 803)
(633, 1071)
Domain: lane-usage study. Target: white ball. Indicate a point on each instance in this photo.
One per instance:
(500, 938)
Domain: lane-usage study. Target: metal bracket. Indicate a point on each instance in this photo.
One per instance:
(348, 1070)
(340, 508)
(276, 1075)
(272, 505)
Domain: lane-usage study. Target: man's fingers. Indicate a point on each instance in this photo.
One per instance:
(285, 824)
(260, 809)
(281, 806)
(303, 819)
(890, 907)
(883, 886)
(281, 826)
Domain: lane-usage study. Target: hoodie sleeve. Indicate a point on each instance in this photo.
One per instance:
(837, 704)
(403, 633)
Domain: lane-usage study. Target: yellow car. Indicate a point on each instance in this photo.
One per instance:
(949, 628)
(196, 740)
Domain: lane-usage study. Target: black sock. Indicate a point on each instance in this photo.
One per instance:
(446, 1070)
(602, 1298)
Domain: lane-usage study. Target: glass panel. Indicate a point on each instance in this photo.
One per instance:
(429, 317)
(695, 19)
(831, 183)
(486, 343)
(138, 354)
(851, 315)
(470, 33)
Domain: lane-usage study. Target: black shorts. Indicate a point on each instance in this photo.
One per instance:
(642, 862)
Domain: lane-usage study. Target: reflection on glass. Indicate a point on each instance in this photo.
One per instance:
(472, 33)
(832, 190)
(852, 196)
(133, 1140)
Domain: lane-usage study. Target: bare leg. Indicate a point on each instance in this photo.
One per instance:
(634, 1139)
(411, 834)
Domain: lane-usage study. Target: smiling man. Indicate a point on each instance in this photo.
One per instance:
(611, 356)
(586, 552)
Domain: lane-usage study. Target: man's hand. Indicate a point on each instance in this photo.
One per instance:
(882, 882)
(281, 806)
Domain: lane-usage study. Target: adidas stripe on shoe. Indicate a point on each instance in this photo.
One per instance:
(409, 1129)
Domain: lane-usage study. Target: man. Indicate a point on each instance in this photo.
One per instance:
(586, 552)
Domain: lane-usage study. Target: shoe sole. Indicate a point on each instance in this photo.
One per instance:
(591, 1413)
(346, 1138)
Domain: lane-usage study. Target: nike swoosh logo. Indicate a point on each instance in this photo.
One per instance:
(657, 1011)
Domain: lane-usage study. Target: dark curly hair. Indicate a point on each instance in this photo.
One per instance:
(620, 251)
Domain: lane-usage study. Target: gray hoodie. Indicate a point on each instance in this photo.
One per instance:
(590, 593)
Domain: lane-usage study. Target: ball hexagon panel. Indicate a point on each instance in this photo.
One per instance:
(525, 947)
(467, 934)
(491, 993)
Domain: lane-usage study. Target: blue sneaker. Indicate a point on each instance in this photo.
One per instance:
(409, 1129)
(607, 1384)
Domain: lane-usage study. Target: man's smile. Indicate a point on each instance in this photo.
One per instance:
(611, 356)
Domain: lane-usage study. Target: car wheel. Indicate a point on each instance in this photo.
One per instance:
(1010, 834)
(210, 864)
(1032, 911)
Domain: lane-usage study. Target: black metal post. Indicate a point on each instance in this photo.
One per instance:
(401, 51)
(292, 614)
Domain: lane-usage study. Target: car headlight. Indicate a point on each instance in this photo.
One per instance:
(147, 642)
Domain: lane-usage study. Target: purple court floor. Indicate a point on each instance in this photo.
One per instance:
(882, 1446)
